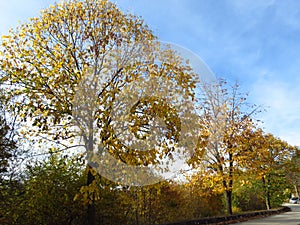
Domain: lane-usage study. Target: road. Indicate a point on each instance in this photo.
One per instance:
(288, 218)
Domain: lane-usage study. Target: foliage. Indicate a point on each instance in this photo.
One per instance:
(248, 194)
(72, 42)
(204, 197)
(47, 194)
(293, 176)
(9, 152)
(7, 145)
(271, 166)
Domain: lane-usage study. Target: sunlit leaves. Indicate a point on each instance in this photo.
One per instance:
(46, 61)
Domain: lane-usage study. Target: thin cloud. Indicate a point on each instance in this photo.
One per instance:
(283, 106)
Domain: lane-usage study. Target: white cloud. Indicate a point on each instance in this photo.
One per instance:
(282, 117)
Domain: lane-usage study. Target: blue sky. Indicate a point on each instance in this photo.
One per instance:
(256, 43)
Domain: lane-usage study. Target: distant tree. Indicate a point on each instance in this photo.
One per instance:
(293, 175)
(270, 163)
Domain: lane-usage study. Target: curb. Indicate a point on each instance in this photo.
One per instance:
(233, 218)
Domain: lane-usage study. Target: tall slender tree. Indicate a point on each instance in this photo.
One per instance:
(226, 124)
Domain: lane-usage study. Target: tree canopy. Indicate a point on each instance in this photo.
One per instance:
(66, 68)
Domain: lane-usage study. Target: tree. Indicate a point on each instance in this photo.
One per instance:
(226, 124)
(294, 171)
(46, 60)
(7, 137)
(271, 163)
(9, 150)
(7, 146)
(48, 191)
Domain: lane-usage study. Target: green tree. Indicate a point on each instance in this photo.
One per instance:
(293, 175)
(48, 192)
(248, 194)
(8, 157)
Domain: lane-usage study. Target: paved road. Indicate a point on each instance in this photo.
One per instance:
(288, 218)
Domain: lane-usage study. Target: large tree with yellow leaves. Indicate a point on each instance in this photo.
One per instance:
(45, 60)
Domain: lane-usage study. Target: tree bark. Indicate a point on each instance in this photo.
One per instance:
(296, 189)
(267, 193)
(230, 185)
(228, 196)
(91, 210)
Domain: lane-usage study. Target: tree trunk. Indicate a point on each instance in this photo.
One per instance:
(91, 211)
(267, 193)
(229, 186)
(268, 202)
(228, 196)
(296, 189)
